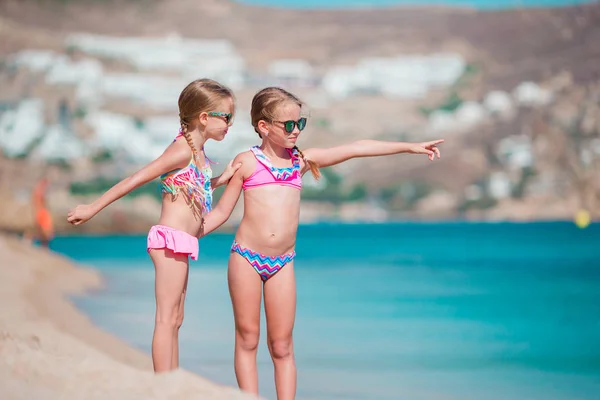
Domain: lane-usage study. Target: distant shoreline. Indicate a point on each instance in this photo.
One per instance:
(407, 222)
(353, 5)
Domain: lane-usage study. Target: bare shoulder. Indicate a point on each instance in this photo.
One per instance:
(248, 161)
(178, 154)
(245, 157)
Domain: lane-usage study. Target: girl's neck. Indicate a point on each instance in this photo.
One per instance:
(198, 138)
(272, 150)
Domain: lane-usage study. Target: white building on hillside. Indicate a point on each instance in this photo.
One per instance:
(295, 72)
(403, 77)
(192, 58)
(516, 151)
(22, 127)
(59, 144)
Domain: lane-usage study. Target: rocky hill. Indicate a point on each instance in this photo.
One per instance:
(523, 70)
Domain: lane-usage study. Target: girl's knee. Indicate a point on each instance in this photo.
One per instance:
(247, 338)
(179, 319)
(169, 316)
(281, 348)
(179, 322)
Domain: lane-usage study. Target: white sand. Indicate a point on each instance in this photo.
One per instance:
(49, 350)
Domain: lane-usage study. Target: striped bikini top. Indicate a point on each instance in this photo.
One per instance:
(191, 182)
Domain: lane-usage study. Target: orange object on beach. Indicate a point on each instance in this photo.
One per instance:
(42, 217)
(44, 220)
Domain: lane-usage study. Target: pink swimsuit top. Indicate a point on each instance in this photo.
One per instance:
(266, 174)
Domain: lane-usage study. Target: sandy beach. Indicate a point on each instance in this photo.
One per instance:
(49, 350)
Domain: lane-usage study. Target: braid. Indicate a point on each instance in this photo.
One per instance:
(188, 139)
(314, 168)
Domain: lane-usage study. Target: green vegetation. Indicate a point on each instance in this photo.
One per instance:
(454, 100)
(398, 197)
(470, 72)
(102, 156)
(139, 123)
(451, 103)
(100, 185)
(62, 164)
(334, 192)
(357, 193)
(483, 203)
(526, 174)
(79, 113)
(27, 150)
(405, 195)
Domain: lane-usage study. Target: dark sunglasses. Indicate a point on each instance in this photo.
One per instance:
(290, 125)
(227, 116)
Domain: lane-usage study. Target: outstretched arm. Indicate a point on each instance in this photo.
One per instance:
(222, 211)
(369, 148)
(174, 157)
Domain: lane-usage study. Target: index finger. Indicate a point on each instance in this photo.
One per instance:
(434, 142)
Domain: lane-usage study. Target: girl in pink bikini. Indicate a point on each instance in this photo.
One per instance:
(206, 109)
(262, 254)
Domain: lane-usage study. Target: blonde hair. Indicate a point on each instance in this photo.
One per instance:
(201, 95)
(264, 107)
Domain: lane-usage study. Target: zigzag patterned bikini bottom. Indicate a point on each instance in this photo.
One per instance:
(265, 266)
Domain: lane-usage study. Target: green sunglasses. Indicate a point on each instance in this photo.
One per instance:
(227, 116)
(289, 126)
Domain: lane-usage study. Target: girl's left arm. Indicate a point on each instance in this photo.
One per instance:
(369, 148)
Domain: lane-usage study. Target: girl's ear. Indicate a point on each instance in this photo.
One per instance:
(203, 118)
(263, 128)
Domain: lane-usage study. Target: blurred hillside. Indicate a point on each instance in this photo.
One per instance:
(89, 94)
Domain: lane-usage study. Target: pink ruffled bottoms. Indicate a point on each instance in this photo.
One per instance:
(179, 242)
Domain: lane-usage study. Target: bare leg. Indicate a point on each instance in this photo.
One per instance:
(280, 310)
(171, 272)
(175, 360)
(245, 289)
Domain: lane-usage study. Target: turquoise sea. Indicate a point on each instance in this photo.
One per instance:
(477, 4)
(410, 311)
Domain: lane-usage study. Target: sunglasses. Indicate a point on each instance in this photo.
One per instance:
(290, 125)
(227, 116)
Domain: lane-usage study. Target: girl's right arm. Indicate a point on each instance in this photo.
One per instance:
(174, 157)
(230, 197)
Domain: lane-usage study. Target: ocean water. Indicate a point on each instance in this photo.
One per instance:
(477, 4)
(450, 311)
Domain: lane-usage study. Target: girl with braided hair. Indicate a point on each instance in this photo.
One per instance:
(206, 110)
(263, 252)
